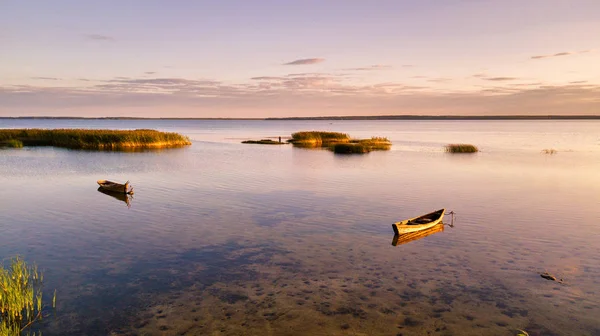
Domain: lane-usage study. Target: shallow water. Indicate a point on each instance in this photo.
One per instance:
(230, 239)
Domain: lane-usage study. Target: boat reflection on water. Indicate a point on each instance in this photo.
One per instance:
(118, 195)
(400, 239)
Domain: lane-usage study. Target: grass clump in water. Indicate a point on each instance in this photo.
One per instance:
(461, 148)
(12, 143)
(20, 297)
(318, 138)
(550, 151)
(263, 142)
(96, 139)
(339, 143)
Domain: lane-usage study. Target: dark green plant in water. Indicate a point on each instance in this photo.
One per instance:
(20, 297)
(461, 148)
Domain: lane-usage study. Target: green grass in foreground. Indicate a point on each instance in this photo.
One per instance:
(20, 297)
(12, 143)
(95, 139)
(461, 148)
(264, 142)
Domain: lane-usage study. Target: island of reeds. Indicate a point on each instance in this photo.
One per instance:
(339, 143)
(461, 148)
(92, 139)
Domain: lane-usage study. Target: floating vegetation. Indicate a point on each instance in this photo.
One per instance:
(461, 148)
(320, 138)
(339, 143)
(20, 297)
(550, 151)
(95, 139)
(264, 142)
(12, 143)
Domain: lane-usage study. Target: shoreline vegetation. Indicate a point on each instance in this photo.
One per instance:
(118, 140)
(339, 143)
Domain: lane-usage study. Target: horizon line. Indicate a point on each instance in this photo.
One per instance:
(369, 117)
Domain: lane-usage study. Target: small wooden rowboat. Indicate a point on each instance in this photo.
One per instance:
(419, 223)
(115, 187)
(400, 239)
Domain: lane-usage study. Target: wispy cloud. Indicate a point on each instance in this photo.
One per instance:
(439, 80)
(305, 61)
(564, 53)
(370, 68)
(46, 78)
(98, 37)
(500, 79)
(150, 72)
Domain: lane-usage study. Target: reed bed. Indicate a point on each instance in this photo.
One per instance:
(20, 297)
(550, 151)
(95, 139)
(339, 143)
(319, 138)
(461, 148)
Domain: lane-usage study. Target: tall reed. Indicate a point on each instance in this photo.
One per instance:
(20, 297)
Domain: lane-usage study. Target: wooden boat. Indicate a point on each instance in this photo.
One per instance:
(115, 187)
(400, 239)
(419, 223)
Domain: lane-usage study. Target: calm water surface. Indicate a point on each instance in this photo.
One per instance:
(223, 238)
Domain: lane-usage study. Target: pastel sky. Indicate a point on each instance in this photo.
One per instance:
(278, 58)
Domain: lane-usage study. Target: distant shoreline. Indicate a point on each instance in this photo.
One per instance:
(378, 117)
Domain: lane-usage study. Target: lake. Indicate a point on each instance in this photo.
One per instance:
(224, 238)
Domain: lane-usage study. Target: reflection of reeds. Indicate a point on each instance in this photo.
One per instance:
(461, 148)
(549, 151)
(12, 143)
(95, 139)
(20, 297)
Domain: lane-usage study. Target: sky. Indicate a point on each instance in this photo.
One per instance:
(255, 59)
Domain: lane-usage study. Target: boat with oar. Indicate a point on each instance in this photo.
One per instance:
(400, 239)
(419, 223)
(115, 187)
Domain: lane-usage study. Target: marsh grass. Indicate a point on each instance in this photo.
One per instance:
(95, 139)
(550, 151)
(461, 148)
(20, 297)
(264, 142)
(339, 143)
(319, 138)
(12, 143)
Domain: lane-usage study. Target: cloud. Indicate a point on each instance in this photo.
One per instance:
(47, 78)
(150, 72)
(500, 79)
(439, 80)
(305, 61)
(578, 82)
(307, 94)
(98, 37)
(564, 53)
(370, 68)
